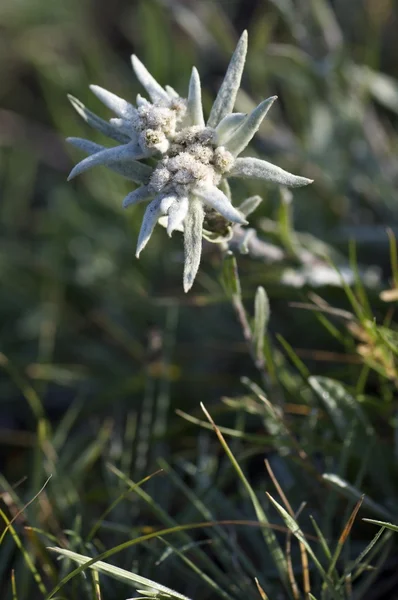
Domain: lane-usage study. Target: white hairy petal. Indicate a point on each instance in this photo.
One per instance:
(171, 92)
(139, 195)
(249, 205)
(94, 121)
(86, 145)
(255, 168)
(243, 134)
(166, 203)
(125, 127)
(133, 170)
(227, 126)
(193, 227)
(141, 101)
(163, 221)
(149, 221)
(215, 198)
(226, 96)
(194, 107)
(120, 107)
(107, 157)
(177, 213)
(154, 89)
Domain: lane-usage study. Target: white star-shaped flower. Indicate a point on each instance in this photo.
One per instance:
(187, 186)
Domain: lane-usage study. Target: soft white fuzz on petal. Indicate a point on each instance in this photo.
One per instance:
(107, 157)
(120, 107)
(215, 198)
(171, 92)
(166, 203)
(96, 122)
(243, 134)
(149, 221)
(255, 168)
(194, 114)
(139, 195)
(250, 205)
(163, 221)
(154, 89)
(133, 170)
(193, 228)
(125, 127)
(141, 101)
(226, 96)
(227, 127)
(86, 145)
(177, 213)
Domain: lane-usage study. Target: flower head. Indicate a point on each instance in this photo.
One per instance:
(187, 188)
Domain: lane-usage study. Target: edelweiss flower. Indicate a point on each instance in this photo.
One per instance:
(187, 189)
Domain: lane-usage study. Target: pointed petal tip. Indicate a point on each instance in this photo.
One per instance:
(187, 286)
(74, 173)
(135, 61)
(241, 220)
(268, 101)
(304, 181)
(96, 89)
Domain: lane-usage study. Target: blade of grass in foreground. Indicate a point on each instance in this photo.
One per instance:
(357, 564)
(147, 537)
(120, 574)
(293, 582)
(382, 524)
(343, 537)
(294, 527)
(29, 562)
(326, 550)
(170, 522)
(217, 534)
(269, 536)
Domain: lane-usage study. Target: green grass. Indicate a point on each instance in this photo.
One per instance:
(105, 452)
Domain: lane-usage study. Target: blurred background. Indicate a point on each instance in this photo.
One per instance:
(86, 325)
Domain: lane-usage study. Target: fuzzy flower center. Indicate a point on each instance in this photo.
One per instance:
(156, 123)
(192, 160)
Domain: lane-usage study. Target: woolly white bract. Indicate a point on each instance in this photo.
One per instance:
(187, 188)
